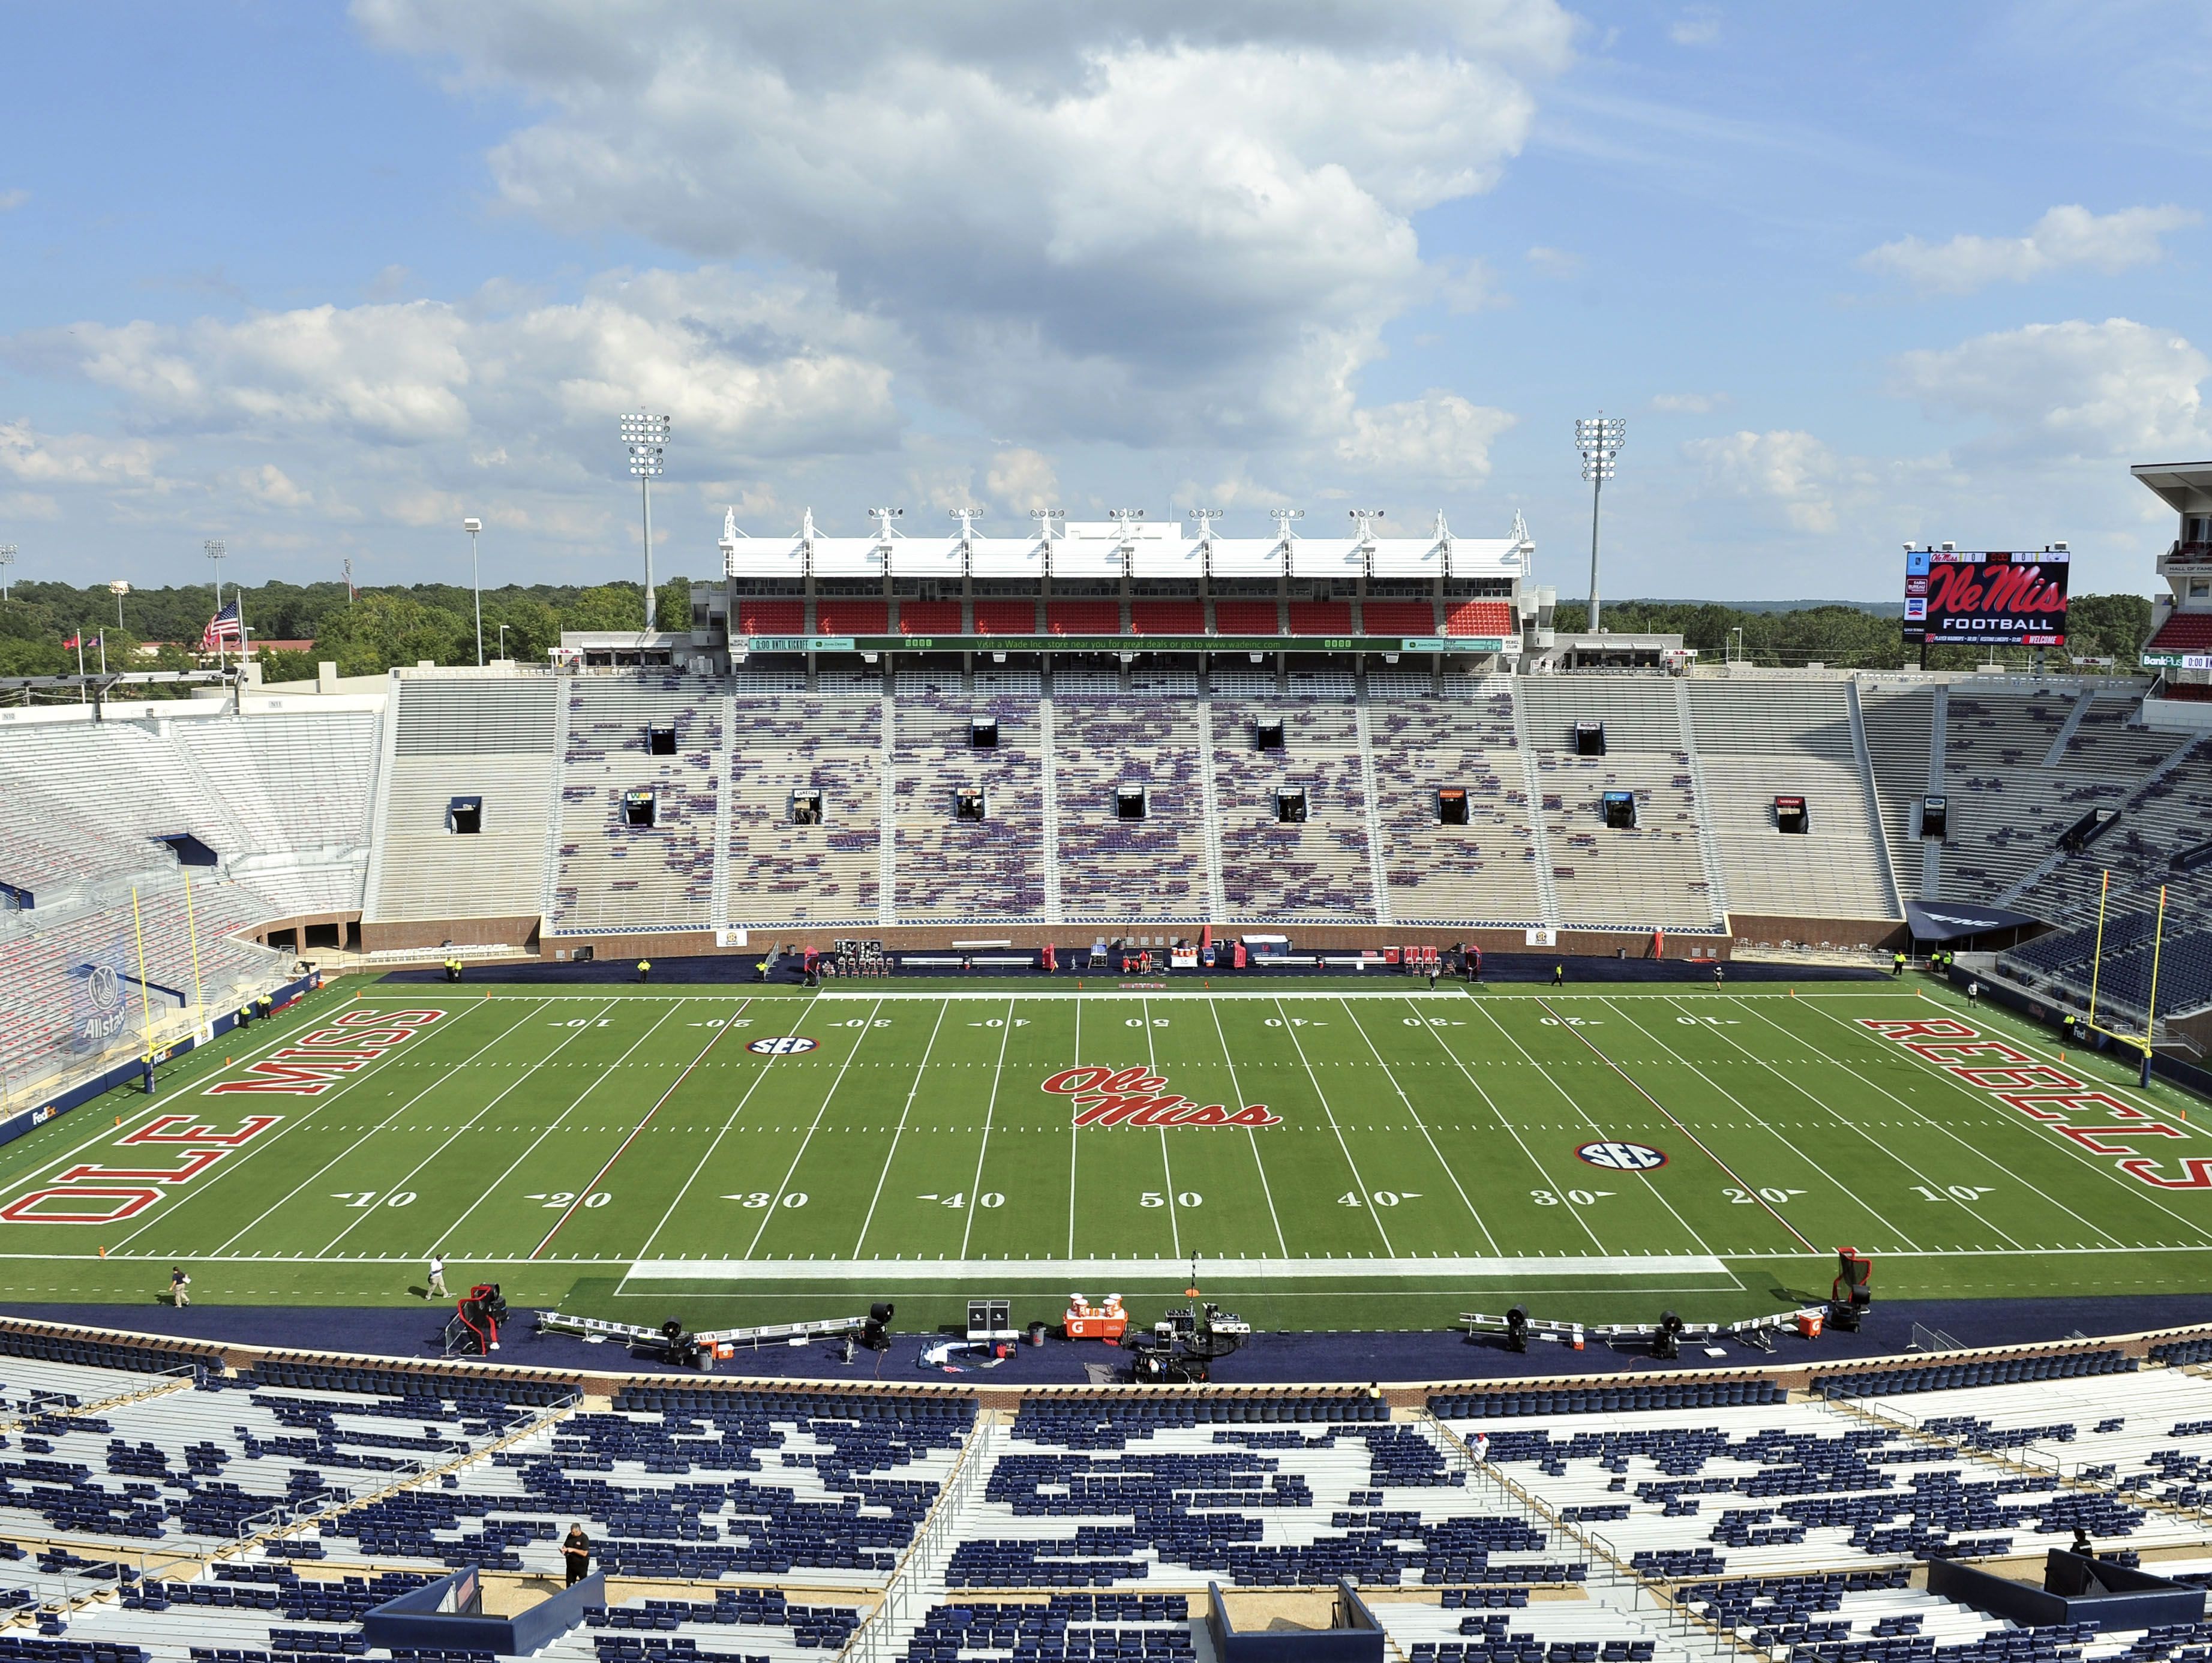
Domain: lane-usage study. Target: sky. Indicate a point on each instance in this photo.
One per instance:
(321, 280)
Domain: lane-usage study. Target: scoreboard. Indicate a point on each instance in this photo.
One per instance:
(1960, 597)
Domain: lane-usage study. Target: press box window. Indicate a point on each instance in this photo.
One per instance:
(1791, 818)
(661, 741)
(806, 808)
(465, 816)
(1451, 806)
(1620, 810)
(637, 808)
(1291, 808)
(1935, 816)
(1590, 738)
(1267, 733)
(1129, 802)
(983, 733)
(969, 803)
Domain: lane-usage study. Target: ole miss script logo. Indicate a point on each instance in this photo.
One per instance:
(1130, 1096)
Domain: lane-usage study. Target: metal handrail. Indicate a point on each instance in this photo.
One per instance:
(868, 1642)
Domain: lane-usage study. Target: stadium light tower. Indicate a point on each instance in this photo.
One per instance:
(1205, 517)
(1599, 438)
(1283, 519)
(7, 559)
(118, 589)
(1366, 519)
(472, 525)
(647, 436)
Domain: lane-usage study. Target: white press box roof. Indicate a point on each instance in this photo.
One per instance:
(1114, 549)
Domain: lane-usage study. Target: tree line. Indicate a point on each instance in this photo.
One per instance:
(375, 629)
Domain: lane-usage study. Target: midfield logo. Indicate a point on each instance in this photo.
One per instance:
(1130, 1096)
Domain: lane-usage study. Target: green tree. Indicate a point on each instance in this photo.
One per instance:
(610, 606)
(533, 628)
(380, 630)
(674, 598)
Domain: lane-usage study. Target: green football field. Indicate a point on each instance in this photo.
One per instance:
(1370, 1155)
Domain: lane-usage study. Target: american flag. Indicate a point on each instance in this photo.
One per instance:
(224, 629)
(91, 643)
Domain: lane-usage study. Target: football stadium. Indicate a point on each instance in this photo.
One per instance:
(981, 1041)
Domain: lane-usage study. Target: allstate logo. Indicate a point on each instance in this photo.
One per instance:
(1615, 1156)
(783, 1045)
(103, 991)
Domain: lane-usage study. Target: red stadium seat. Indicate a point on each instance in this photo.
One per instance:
(1167, 617)
(1480, 617)
(1399, 617)
(1083, 617)
(1246, 617)
(1320, 618)
(2185, 632)
(1006, 617)
(929, 617)
(843, 615)
(770, 617)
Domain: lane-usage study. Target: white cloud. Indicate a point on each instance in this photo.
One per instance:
(1022, 480)
(1054, 208)
(1439, 438)
(1698, 26)
(76, 458)
(1689, 403)
(2065, 237)
(269, 485)
(2118, 389)
(1555, 262)
(746, 366)
(1792, 469)
(13, 199)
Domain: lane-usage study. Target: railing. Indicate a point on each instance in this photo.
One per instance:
(1613, 1569)
(876, 1640)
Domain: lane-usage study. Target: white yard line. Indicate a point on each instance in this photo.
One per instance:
(1167, 1167)
(554, 1125)
(783, 1185)
(224, 1168)
(1366, 1201)
(1250, 1133)
(975, 1189)
(899, 1131)
(1983, 1100)
(1514, 1132)
(401, 1183)
(1074, 1139)
(1582, 1115)
(1422, 1126)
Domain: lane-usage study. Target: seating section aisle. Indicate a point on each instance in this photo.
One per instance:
(950, 868)
(1757, 741)
(1475, 1625)
(1112, 869)
(1063, 1628)
(616, 875)
(787, 868)
(1896, 719)
(1481, 872)
(1315, 868)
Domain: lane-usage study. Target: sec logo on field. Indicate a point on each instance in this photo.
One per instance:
(784, 1045)
(1622, 1157)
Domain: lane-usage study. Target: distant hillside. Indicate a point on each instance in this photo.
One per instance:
(1874, 609)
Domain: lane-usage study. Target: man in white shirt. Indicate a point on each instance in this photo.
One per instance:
(437, 1288)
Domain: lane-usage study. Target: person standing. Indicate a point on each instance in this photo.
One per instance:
(1559, 975)
(1482, 1447)
(644, 969)
(437, 1288)
(576, 1550)
(180, 1287)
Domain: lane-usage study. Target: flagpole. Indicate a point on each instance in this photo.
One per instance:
(80, 663)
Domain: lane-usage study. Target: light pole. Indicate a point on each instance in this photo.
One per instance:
(215, 552)
(7, 559)
(1283, 519)
(472, 525)
(648, 439)
(118, 589)
(502, 643)
(1599, 438)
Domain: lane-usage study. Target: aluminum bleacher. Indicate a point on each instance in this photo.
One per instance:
(612, 876)
(1112, 869)
(1314, 869)
(784, 871)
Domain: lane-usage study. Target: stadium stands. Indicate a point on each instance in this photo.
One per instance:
(1112, 867)
(788, 867)
(613, 875)
(1484, 867)
(1318, 866)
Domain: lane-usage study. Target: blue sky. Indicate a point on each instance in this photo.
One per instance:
(320, 282)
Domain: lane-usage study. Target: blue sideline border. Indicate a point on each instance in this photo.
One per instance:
(100, 1085)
